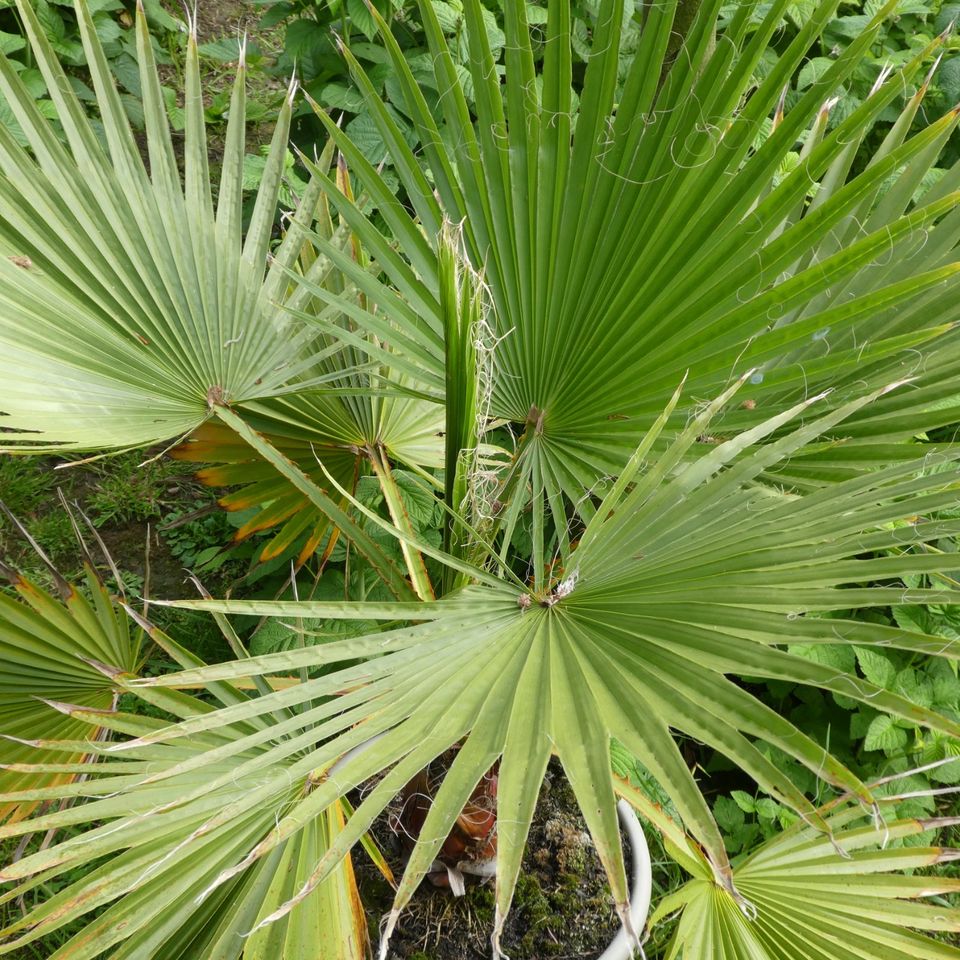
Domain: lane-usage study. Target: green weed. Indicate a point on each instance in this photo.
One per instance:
(129, 490)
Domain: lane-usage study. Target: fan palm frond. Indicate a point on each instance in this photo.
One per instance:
(66, 662)
(808, 896)
(689, 574)
(655, 231)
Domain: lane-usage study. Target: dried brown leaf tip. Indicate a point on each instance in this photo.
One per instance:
(25, 263)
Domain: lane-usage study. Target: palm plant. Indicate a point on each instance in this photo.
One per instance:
(553, 273)
(172, 304)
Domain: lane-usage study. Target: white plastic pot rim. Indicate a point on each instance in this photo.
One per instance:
(641, 886)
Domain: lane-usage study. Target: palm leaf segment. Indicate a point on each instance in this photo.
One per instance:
(598, 307)
(689, 572)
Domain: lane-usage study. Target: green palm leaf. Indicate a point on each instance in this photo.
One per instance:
(690, 573)
(568, 224)
(142, 306)
(55, 649)
(64, 666)
(133, 309)
(807, 896)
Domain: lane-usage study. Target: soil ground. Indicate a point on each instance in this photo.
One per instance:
(562, 909)
(219, 18)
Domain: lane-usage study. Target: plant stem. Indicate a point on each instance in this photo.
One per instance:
(398, 513)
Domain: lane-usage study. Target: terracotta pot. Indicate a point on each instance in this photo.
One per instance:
(471, 846)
